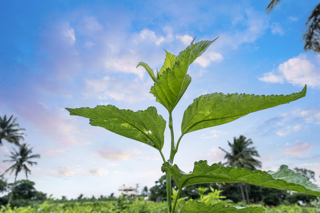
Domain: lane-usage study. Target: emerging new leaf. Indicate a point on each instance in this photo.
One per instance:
(217, 108)
(283, 179)
(168, 62)
(173, 79)
(195, 206)
(149, 70)
(145, 126)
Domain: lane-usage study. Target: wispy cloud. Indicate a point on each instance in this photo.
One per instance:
(276, 28)
(112, 154)
(116, 89)
(288, 123)
(298, 148)
(213, 134)
(67, 172)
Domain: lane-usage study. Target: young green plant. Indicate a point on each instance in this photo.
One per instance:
(146, 126)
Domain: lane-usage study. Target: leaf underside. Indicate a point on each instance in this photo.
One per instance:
(145, 126)
(195, 206)
(217, 108)
(173, 79)
(149, 70)
(283, 179)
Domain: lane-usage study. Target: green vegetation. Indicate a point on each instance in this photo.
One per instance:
(146, 126)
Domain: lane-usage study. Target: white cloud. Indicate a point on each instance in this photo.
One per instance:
(117, 89)
(216, 155)
(68, 32)
(205, 59)
(289, 129)
(67, 172)
(186, 39)
(112, 154)
(270, 77)
(126, 64)
(150, 35)
(297, 71)
(276, 29)
(213, 134)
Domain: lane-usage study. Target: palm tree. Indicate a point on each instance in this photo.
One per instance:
(8, 132)
(20, 158)
(241, 156)
(312, 36)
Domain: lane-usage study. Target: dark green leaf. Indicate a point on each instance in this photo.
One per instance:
(283, 179)
(217, 108)
(145, 126)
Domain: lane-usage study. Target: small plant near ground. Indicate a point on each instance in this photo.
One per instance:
(147, 126)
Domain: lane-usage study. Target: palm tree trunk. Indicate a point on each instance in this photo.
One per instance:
(12, 188)
(247, 193)
(244, 201)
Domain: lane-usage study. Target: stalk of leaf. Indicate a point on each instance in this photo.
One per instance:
(210, 110)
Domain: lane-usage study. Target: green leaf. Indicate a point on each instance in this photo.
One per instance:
(195, 206)
(149, 70)
(145, 126)
(217, 108)
(174, 81)
(168, 62)
(283, 179)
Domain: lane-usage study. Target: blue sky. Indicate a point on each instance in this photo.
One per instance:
(59, 54)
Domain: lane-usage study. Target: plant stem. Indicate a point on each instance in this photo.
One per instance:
(172, 153)
(164, 160)
(175, 200)
(168, 179)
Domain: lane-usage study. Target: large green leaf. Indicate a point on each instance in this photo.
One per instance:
(217, 108)
(145, 126)
(284, 178)
(195, 206)
(173, 81)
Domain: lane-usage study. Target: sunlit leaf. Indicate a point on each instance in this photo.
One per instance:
(168, 62)
(149, 70)
(145, 126)
(195, 206)
(283, 179)
(173, 82)
(217, 108)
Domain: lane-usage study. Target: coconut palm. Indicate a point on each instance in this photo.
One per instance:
(312, 35)
(20, 158)
(8, 132)
(241, 156)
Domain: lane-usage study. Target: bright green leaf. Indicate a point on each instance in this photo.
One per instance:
(145, 126)
(217, 108)
(283, 179)
(168, 62)
(149, 70)
(195, 206)
(173, 82)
